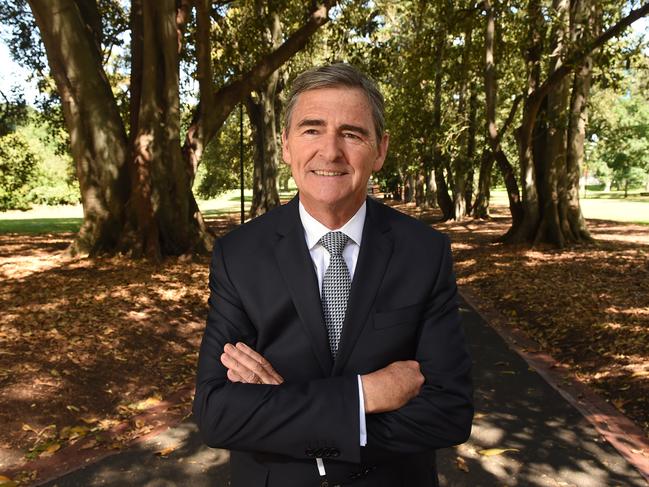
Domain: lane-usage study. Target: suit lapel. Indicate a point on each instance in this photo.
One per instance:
(296, 266)
(375, 253)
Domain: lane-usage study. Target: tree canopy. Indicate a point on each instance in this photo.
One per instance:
(476, 92)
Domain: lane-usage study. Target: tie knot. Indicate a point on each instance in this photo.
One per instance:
(334, 242)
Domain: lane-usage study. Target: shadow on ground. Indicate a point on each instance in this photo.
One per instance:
(549, 443)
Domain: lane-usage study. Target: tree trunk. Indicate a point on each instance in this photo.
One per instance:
(481, 206)
(167, 218)
(526, 231)
(408, 188)
(420, 192)
(444, 201)
(98, 140)
(494, 136)
(537, 94)
(431, 189)
(462, 162)
(551, 181)
(570, 209)
(262, 120)
(136, 191)
(262, 117)
(470, 149)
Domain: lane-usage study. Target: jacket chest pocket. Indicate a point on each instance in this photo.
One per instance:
(407, 315)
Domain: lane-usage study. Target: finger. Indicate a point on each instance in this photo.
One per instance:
(245, 367)
(235, 366)
(255, 362)
(262, 366)
(234, 377)
(237, 372)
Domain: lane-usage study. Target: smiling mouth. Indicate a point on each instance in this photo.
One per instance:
(329, 173)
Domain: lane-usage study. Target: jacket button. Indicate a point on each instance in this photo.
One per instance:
(309, 452)
(318, 452)
(335, 452)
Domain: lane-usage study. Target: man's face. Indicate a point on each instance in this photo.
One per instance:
(332, 149)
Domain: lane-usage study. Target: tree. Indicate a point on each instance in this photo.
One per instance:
(621, 130)
(135, 176)
(18, 170)
(541, 174)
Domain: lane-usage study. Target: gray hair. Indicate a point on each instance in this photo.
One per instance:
(335, 75)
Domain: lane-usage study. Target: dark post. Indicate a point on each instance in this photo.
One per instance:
(241, 158)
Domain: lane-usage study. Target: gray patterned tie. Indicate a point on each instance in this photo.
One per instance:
(335, 287)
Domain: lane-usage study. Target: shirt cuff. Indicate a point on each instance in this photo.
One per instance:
(361, 412)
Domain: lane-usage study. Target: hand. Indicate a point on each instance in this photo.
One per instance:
(391, 387)
(247, 366)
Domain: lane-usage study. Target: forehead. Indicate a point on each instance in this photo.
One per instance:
(332, 104)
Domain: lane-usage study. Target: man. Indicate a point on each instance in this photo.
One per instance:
(333, 353)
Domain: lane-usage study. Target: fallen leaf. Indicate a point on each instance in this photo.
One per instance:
(50, 450)
(490, 452)
(145, 403)
(73, 432)
(89, 444)
(165, 452)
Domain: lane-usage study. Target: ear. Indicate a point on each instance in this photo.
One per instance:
(382, 152)
(286, 153)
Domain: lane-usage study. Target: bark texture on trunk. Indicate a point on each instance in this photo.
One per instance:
(420, 189)
(570, 209)
(494, 136)
(170, 223)
(136, 190)
(97, 136)
(262, 111)
(526, 231)
(481, 205)
(444, 201)
(462, 162)
(541, 173)
(552, 178)
(431, 188)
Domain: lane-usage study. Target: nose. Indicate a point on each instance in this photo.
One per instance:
(330, 148)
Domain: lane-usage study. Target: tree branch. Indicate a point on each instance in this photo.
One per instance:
(204, 53)
(510, 117)
(576, 58)
(573, 60)
(206, 123)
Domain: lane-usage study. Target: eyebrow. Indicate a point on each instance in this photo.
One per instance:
(311, 122)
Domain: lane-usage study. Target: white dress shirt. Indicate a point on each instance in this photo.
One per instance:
(313, 232)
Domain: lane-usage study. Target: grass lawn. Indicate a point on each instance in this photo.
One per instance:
(599, 205)
(56, 219)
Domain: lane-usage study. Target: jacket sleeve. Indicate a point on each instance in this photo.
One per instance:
(441, 415)
(300, 420)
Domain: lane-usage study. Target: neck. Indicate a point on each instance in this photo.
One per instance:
(332, 217)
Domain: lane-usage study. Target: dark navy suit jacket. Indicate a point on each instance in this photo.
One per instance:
(402, 305)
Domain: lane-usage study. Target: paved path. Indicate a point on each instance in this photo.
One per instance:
(552, 444)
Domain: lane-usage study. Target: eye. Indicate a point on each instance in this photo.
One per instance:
(351, 135)
(310, 132)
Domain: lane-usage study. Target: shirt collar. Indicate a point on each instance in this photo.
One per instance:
(314, 230)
